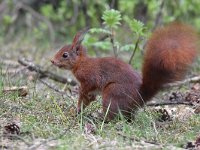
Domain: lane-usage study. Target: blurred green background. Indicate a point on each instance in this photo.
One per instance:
(49, 24)
(59, 20)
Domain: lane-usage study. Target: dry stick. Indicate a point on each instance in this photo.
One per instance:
(45, 73)
(136, 46)
(12, 72)
(170, 103)
(19, 71)
(52, 87)
(22, 90)
(9, 63)
(193, 79)
(55, 88)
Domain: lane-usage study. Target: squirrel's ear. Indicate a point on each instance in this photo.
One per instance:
(79, 38)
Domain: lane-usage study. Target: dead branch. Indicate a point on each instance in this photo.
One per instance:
(9, 63)
(52, 87)
(169, 103)
(12, 71)
(55, 88)
(45, 73)
(193, 79)
(23, 90)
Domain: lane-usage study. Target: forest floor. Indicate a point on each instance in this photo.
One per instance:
(40, 113)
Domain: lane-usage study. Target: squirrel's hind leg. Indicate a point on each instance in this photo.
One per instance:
(116, 101)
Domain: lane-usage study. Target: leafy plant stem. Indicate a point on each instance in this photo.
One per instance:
(113, 42)
(136, 46)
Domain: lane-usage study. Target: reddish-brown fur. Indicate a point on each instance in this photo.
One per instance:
(169, 52)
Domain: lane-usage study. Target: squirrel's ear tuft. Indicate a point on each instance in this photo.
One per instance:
(79, 37)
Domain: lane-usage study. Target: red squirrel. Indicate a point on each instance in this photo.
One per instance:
(168, 54)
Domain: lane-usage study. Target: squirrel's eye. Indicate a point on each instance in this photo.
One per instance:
(65, 54)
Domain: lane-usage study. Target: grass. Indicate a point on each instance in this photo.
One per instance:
(44, 114)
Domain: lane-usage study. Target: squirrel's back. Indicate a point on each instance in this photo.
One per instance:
(169, 52)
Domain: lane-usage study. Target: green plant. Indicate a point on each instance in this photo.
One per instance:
(112, 19)
(138, 29)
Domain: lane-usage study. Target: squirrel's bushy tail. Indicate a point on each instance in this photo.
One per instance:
(169, 53)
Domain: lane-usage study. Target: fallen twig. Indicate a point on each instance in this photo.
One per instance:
(12, 71)
(45, 73)
(193, 79)
(23, 90)
(9, 63)
(169, 103)
(55, 88)
(52, 87)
